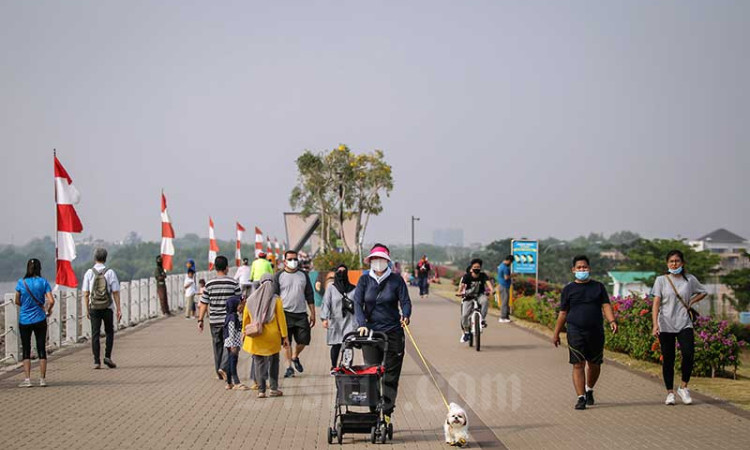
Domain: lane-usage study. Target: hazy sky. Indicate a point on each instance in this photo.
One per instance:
(504, 118)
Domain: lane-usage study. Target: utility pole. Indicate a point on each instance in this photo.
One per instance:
(413, 267)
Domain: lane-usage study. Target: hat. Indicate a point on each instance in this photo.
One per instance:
(378, 252)
(261, 254)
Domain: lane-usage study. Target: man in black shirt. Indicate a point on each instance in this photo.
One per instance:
(581, 307)
(474, 284)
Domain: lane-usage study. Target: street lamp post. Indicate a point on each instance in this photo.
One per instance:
(413, 267)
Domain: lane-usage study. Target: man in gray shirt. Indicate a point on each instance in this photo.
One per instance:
(295, 289)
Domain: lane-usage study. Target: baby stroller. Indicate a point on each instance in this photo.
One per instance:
(360, 386)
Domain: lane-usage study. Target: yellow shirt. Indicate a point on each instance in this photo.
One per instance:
(269, 342)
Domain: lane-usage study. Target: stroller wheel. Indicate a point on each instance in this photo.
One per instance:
(390, 431)
(373, 434)
(330, 435)
(383, 433)
(339, 433)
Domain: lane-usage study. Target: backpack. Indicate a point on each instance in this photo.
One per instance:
(100, 296)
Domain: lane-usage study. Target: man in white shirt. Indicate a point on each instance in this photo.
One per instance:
(243, 277)
(190, 291)
(99, 314)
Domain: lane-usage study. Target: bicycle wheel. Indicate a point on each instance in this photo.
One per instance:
(477, 329)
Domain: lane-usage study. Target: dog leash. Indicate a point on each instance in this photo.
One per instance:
(427, 366)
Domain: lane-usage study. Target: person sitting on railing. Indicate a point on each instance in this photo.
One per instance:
(31, 292)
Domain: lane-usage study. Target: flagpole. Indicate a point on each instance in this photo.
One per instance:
(54, 157)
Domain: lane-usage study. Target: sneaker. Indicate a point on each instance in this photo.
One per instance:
(275, 393)
(684, 394)
(25, 384)
(484, 324)
(97, 366)
(109, 363)
(222, 375)
(581, 403)
(289, 372)
(465, 337)
(501, 320)
(670, 399)
(298, 365)
(589, 398)
(42, 382)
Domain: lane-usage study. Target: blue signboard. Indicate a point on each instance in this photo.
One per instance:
(525, 256)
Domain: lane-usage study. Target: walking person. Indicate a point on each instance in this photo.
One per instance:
(260, 267)
(337, 311)
(296, 292)
(101, 294)
(243, 277)
(474, 284)
(503, 286)
(265, 328)
(190, 291)
(161, 286)
(423, 276)
(674, 294)
(581, 306)
(233, 341)
(34, 296)
(382, 303)
(214, 301)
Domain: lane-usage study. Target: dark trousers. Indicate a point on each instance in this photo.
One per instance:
(233, 356)
(424, 285)
(161, 291)
(97, 317)
(686, 339)
(335, 349)
(266, 370)
(40, 333)
(221, 356)
(394, 359)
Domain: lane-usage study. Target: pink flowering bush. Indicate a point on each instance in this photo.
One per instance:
(717, 349)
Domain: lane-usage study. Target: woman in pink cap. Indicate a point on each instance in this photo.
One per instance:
(382, 303)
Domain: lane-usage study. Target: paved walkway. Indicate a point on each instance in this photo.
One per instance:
(517, 390)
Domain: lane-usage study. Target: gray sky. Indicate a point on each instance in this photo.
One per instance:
(504, 118)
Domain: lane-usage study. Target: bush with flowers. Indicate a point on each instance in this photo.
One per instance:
(717, 349)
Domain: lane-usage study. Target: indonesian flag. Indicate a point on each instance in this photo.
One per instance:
(277, 248)
(66, 195)
(258, 241)
(269, 249)
(213, 248)
(238, 252)
(283, 246)
(167, 235)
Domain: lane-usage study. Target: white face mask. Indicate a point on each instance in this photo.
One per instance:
(378, 265)
(292, 264)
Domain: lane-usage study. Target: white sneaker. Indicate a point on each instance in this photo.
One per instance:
(26, 383)
(463, 338)
(670, 399)
(684, 394)
(504, 320)
(42, 382)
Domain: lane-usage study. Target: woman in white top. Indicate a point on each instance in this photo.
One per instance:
(674, 294)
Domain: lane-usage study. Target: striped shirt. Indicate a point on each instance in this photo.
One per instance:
(215, 295)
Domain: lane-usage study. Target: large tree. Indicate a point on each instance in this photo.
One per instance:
(650, 255)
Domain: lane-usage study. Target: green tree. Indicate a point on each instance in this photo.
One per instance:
(650, 256)
(739, 282)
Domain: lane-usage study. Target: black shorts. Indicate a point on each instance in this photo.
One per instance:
(298, 327)
(585, 345)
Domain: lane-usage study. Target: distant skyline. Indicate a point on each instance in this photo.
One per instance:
(536, 119)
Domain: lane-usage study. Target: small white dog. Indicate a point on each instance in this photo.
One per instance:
(456, 426)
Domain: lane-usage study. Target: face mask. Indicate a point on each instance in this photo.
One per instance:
(476, 270)
(676, 271)
(292, 264)
(379, 265)
(582, 276)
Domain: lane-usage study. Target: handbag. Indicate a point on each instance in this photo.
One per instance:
(347, 305)
(41, 304)
(692, 313)
(254, 328)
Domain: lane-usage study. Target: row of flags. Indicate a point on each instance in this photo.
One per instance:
(68, 222)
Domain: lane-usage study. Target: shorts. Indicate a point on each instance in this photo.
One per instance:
(586, 345)
(298, 327)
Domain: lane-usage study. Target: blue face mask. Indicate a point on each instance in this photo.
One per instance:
(582, 276)
(676, 271)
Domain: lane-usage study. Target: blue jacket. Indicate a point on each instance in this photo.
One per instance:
(377, 306)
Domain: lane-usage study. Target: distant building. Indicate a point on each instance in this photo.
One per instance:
(727, 245)
(627, 283)
(448, 237)
(615, 255)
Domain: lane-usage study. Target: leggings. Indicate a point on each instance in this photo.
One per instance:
(40, 333)
(233, 356)
(335, 349)
(686, 340)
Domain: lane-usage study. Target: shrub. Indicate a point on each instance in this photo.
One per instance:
(329, 260)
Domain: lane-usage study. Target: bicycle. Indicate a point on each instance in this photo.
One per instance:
(476, 319)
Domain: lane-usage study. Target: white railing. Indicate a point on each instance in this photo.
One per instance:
(138, 300)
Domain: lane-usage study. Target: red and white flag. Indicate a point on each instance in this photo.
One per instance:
(258, 242)
(238, 252)
(277, 249)
(66, 195)
(269, 249)
(167, 236)
(213, 248)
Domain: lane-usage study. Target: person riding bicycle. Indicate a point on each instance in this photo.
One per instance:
(475, 284)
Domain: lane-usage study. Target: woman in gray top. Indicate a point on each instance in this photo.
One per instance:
(338, 311)
(674, 294)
